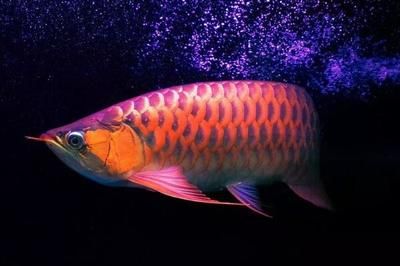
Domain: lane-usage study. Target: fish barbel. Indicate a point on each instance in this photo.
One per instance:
(186, 141)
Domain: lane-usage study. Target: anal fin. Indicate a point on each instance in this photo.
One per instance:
(248, 194)
(172, 182)
(313, 193)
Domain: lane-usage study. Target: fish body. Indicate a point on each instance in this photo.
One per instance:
(185, 141)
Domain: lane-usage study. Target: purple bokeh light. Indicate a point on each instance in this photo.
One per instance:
(323, 45)
(309, 42)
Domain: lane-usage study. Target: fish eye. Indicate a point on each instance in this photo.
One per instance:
(75, 140)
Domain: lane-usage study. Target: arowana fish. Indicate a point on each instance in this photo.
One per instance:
(186, 141)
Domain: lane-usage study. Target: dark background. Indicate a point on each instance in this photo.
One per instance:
(51, 215)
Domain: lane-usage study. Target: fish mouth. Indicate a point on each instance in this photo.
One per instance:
(54, 142)
(44, 138)
(75, 161)
(49, 140)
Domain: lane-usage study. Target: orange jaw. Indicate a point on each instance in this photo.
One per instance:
(120, 151)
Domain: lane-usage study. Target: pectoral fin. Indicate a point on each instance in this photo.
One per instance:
(172, 182)
(248, 194)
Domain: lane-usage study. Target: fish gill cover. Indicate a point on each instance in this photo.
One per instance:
(331, 46)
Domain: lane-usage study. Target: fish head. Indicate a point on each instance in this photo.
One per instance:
(101, 147)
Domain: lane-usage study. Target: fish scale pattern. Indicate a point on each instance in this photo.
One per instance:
(246, 126)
